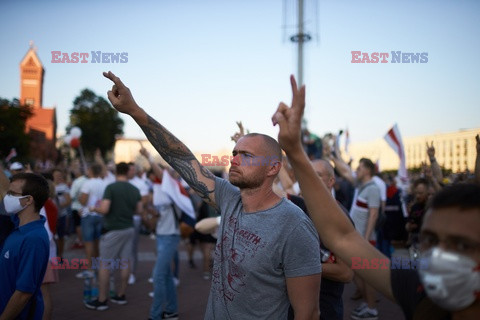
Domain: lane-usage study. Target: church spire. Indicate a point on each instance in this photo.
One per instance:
(31, 78)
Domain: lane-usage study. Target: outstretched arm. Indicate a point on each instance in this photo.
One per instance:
(237, 135)
(436, 170)
(168, 146)
(343, 169)
(155, 167)
(331, 223)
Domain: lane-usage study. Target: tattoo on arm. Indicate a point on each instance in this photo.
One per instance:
(179, 157)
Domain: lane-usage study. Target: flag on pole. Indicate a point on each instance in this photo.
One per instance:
(347, 140)
(394, 140)
(11, 155)
(337, 140)
(180, 197)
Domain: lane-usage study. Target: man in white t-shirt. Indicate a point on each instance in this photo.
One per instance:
(364, 213)
(91, 194)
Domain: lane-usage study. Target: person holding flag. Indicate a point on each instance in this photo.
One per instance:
(169, 197)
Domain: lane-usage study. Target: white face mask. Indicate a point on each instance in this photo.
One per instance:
(12, 204)
(451, 280)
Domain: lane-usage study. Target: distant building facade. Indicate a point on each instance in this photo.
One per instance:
(42, 126)
(453, 150)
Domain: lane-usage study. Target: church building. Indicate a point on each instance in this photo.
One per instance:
(42, 126)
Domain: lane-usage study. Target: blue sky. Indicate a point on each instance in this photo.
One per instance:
(199, 66)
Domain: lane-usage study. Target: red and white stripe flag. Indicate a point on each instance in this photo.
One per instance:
(394, 140)
(179, 195)
(11, 155)
(347, 140)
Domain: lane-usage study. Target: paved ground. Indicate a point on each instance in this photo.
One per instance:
(192, 292)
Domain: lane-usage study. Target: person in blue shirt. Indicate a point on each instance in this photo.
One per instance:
(24, 256)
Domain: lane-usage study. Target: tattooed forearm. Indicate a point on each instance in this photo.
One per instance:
(179, 157)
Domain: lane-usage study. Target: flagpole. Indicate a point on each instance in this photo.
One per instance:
(82, 158)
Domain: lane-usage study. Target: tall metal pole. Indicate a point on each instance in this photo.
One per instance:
(300, 38)
(300, 44)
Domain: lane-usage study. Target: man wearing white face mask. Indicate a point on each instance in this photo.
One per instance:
(450, 246)
(450, 237)
(24, 256)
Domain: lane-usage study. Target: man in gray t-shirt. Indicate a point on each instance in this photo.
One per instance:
(364, 213)
(254, 255)
(267, 253)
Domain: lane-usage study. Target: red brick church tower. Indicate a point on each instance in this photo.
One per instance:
(42, 126)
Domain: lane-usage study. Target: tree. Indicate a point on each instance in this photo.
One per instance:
(13, 117)
(100, 123)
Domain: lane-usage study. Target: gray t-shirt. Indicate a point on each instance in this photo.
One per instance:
(255, 253)
(368, 196)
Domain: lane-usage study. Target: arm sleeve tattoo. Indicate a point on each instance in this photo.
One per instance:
(179, 157)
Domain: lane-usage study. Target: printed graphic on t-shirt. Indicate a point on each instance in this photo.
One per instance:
(233, 253)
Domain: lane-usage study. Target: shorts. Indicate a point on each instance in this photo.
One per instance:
(91, 228)
(117, 244)
(76, 218)
(61, 226)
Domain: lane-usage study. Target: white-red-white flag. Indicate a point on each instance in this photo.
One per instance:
(347, 140)
(394, 140)
(179, 195)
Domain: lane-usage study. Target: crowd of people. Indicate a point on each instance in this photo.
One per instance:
(104, 210)
(326, 216)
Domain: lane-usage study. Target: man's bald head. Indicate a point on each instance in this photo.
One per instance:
(271, 145)
(325, 171)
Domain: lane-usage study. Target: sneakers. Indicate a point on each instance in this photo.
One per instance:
(151, 294)
(359, 308)
(96, 305)
(118, 299)
(365, 314)
(150, 280)
(169, 316)
(206, 276)
(84, 274)
(131, 279)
